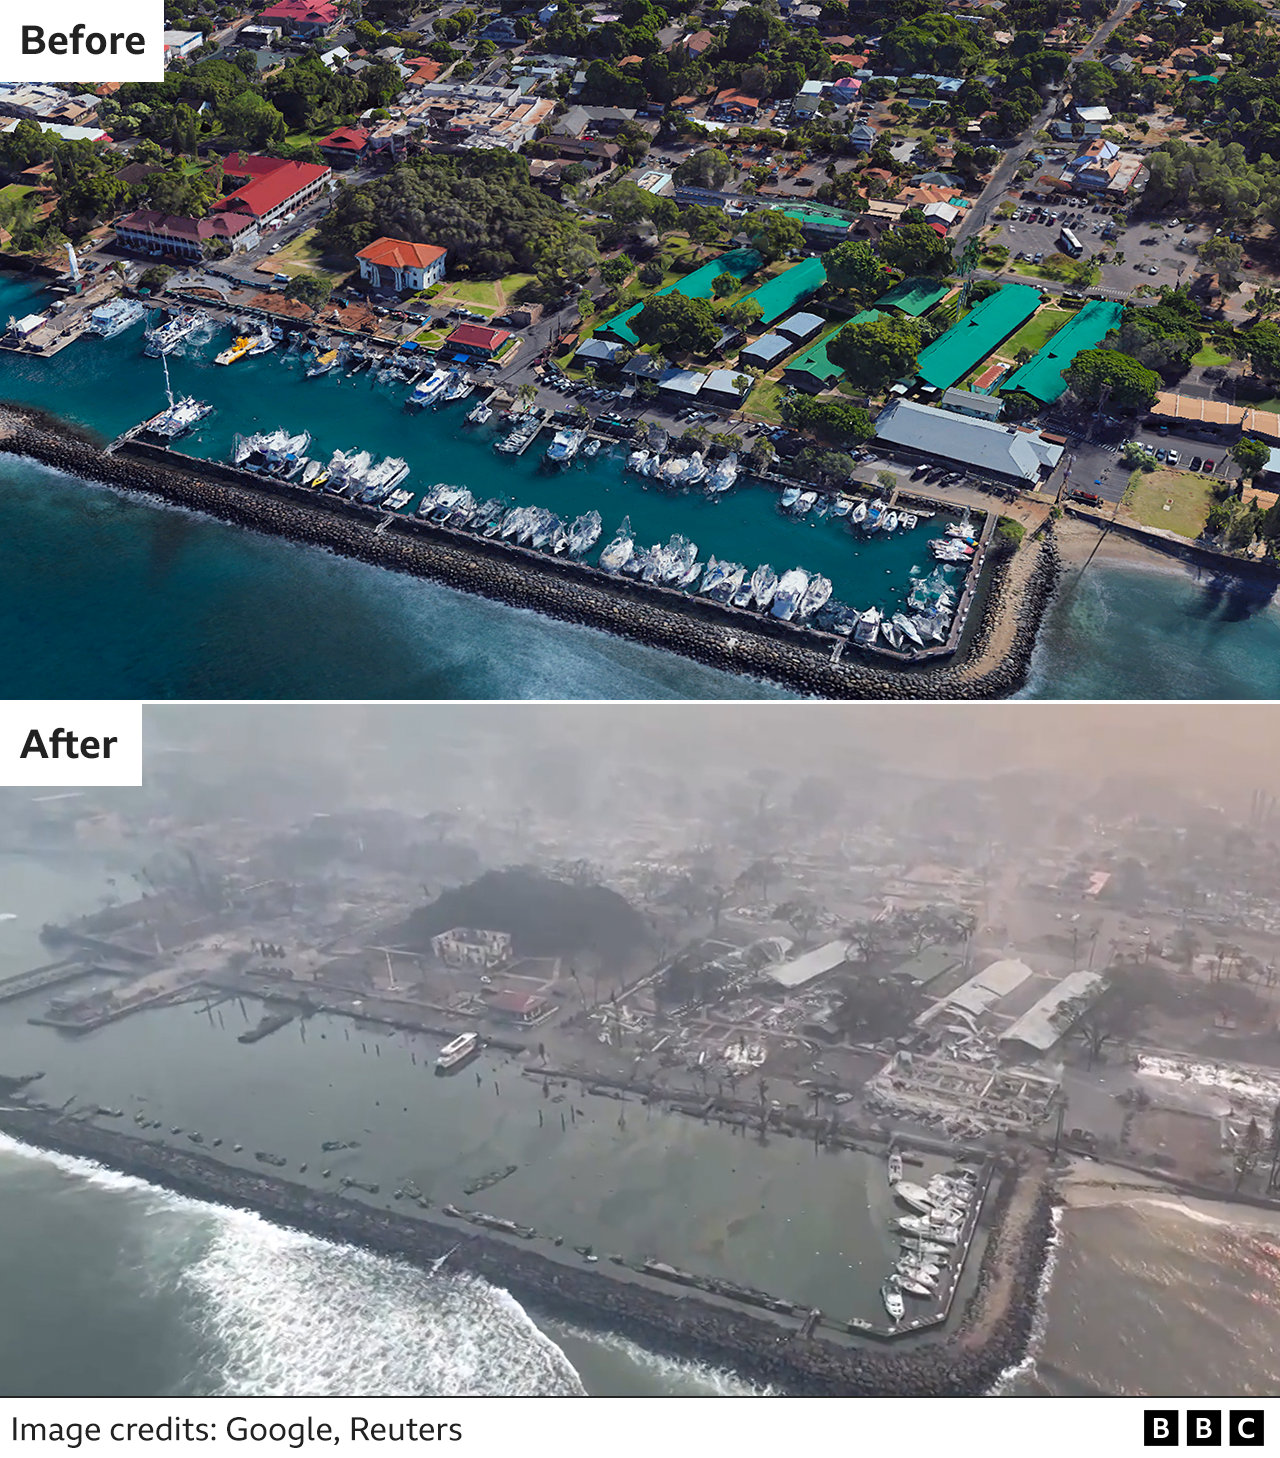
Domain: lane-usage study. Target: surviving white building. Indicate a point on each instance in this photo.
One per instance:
(464, 946)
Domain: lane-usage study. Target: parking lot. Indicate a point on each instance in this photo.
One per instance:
(1159, 257)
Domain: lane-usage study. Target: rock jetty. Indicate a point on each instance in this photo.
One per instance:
(990, 664)
(991, 1335)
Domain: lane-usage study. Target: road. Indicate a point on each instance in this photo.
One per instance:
(975, 219)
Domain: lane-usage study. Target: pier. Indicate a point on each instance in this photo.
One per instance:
(52, 974)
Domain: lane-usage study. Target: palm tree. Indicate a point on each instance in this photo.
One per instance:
(526, 395)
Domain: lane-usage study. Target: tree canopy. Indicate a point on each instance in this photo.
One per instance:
(856, 268)
(773, 234)
(916, 248)
(875, 353)
(677, 324)
(1132, 386)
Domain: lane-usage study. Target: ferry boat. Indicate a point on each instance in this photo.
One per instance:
(428, 391)
(454, 1055)
(115, 317)
(234, 351)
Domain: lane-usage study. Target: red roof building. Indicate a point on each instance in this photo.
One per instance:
(476, 339)
(301, 17)
(391, 263)
(345, 146)
(519, 1007)
(275, 187)
(152, 232)
(424, 70)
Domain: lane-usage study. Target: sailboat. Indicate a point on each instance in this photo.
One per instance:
(181, 414)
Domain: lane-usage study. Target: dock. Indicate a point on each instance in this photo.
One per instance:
(52, 974)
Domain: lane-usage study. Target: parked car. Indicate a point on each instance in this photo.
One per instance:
(1160, 453)
(1086, 498)
(1174, 458)
(1195, 463)
(1208, 465)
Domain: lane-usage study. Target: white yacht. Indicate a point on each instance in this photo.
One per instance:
(895, 1166)
(815, 596)
(908, 628)
(565, 446)
(116, 316)
(914, 1195)
(764, 583)
(790, 591)
(455, 1054)
(789, 497)
(868, 628)
(893, 1302)
(637, 459)
(724, 474)
(859, 513)
(177, 331)
(427, 391)
(806, 502)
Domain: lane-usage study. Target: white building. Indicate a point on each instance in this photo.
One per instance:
(464, 946)
(391, 263)
(181, 43)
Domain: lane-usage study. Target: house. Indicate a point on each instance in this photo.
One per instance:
(925, 433)
(862, 137)
(683, 385)
(501, 30)
(335, 57)
(156, 233)
(735, 104)
(258, 37)
(345, 147)
(275, 187)
(720, 387)
(810, 15)
(695, 44)
(766, 351)
(391, 263)
(304, 18)
(1098, 115)
(800, 328)
(579, 121)
(477, 340)
(941, 212)
(547, 14)
(964, 402)
(463, 946)
(599, 353)
(660, 184)
(522, 1008)
(1061, 131)
(1053, 1017)
(181, 43)
(806, 100)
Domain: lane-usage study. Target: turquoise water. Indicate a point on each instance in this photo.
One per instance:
(110, 385)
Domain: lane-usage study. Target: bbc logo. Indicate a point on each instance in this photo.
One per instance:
(1204, 1429)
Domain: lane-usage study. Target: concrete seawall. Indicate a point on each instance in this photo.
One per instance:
(985, 1340)
(698, 630)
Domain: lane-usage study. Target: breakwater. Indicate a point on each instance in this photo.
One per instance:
(697, 629)
(989, 1336)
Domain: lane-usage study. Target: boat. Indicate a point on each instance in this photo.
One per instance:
(815, 595)
(180, 415)
(591, 449)
(806, 502)
(908, 628)
(926, 1248)
(874, 517)
(742, 598)
(822, 506)
(323, 364)
(729, 581)
(890, 522)
(895, 1167)
(637, 460)
(962, 530)
(691, 573)
(398, 499)
(891, 634)
(427, 391)
(564, 446)
(455, 1054)
(584, 533)
(178, 330)
(893, 1302)
(791, 589)
(115, 317)
(843, 506)
(310, 471)
(913, 1287)
(789, 497)
(479, 414)
(764, 583)
(724, 474)
(859, 513)
(234, 351)
(697, 470)
(921, 1225)
(263, 344)
(546, 530)
(914, 1195)
(458, 388)
(868, 628)
(907, 521)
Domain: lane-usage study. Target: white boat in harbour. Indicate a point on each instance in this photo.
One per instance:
(479, 414)
(907, 521)
(790, 591)
(806, 502)
(459, 387)
(619, 551)
(584, 533)
(115, 316)
(789, 497)
(591, 449)
(179, 416)
(565, 446)
(895, 1166)
(890, 521)
(724, 474)
(893, 1302)
(815, 595)
(427, 391)
(922, 1225)
(859, 513)
(868, 628)
(843, 506)
(764, 583)
(455, 1054)
(637, 459)
(908, 628)
(178, 330)
(914, 1195)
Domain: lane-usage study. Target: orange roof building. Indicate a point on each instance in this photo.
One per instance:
(392, 263)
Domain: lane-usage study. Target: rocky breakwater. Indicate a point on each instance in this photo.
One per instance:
(693, 628)
(991, 1336)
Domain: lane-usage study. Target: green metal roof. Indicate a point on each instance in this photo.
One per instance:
(780, 295)
(814, 360)
(696, 285)
(1041, 376)
(973, 338)
(914, 296)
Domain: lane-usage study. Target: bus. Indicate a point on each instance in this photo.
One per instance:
(1069, 243)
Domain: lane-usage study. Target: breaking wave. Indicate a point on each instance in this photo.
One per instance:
(677, 1376)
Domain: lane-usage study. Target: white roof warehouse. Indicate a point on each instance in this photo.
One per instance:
(981, 445)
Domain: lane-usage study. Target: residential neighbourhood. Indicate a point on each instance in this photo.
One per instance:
(827, 224)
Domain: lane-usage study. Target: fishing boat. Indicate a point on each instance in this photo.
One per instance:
(724, 474)
(842, 507)
(323, 364)
(619, 551)
(178, 330)
(806, 502)
(458, 388)
(908, 629)
(921, 1225)
(891, 634)
(874, 517)
(815, 595)
(908, 521)
(398, 499)
(479, 414)
(237, 349)
(115, 316)
(427, 391)
(890, 522)
(637, 460)
(727, 583)
(591, 449)
(893, 1302)
(584, 533)
(859, 513)
(790, 591)
(868, 628)
(564, 446)
(310, 471)
(764, 583)
(263, 344)
(914, 1195)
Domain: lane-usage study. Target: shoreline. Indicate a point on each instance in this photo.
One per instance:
(992, 1333)
(993, 660)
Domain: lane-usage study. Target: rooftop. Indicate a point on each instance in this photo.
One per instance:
(914, 296)
(812, 964)
(1041, 376)
(981, 444)
(969, 341)
(781, 294)
(396, 253)
(1056, 1012)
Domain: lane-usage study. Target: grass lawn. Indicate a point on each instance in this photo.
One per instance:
(479, 291)
(1189, 497)
(306, 255)
(1207, 355)
(1036, 332)
(14, 191)
(765, 401)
